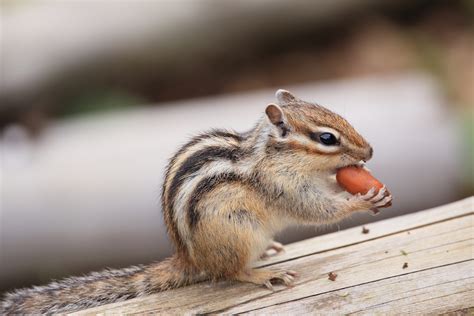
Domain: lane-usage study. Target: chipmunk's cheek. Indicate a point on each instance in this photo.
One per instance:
(347, 160)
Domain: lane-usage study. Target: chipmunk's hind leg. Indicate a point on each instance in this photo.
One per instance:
(234, 248)
(230, 236)
(225, 245)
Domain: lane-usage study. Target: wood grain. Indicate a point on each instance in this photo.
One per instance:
(405, 291)
(437, 245)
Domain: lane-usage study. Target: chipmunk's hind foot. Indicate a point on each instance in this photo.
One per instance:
(267, 277)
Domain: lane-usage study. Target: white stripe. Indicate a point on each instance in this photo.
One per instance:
(305, 140)
(187, 188)
(191, 150)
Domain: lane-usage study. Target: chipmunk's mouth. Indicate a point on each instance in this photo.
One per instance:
(333, 173)
(360, 164)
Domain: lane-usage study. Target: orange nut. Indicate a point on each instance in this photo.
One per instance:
(355, 180)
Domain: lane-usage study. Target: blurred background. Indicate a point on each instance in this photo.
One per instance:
(95, 96)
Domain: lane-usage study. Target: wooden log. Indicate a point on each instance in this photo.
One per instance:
(417, 263)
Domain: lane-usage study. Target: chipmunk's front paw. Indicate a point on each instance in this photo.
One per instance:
(273, 249)
(374, 200)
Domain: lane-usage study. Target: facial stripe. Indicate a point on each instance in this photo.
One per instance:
(325, 129)
(302, 143)
(301, 114)
(315, 148)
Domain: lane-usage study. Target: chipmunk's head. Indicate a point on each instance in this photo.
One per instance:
(314, 135)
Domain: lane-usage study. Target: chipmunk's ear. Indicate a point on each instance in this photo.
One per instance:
(277, 117)
(284, 96)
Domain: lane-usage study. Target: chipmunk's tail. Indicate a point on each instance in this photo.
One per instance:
(99, 288)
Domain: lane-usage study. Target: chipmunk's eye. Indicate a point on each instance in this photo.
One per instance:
(325, 138)
(328, 139)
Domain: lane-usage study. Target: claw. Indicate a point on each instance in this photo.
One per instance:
(376, 199)
(384, 201)
(269, 285)
(267, 277)
(380, 195)
(368, 196)
(287, 279)
(278, 247)
(265, 256)
(274, 245)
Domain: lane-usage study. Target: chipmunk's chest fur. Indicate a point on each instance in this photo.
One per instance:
(302, 197)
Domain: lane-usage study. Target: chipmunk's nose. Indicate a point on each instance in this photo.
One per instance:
(368, 154)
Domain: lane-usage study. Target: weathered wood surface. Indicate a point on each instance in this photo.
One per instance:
(437, 245)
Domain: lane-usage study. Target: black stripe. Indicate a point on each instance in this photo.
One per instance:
(169, 211)
(206, 185)
(196, 162)
(197, 139)
(172, 161)
(194, 141)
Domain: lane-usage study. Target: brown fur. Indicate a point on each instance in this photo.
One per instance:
(235, 241)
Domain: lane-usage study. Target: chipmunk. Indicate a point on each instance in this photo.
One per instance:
(225, 195)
